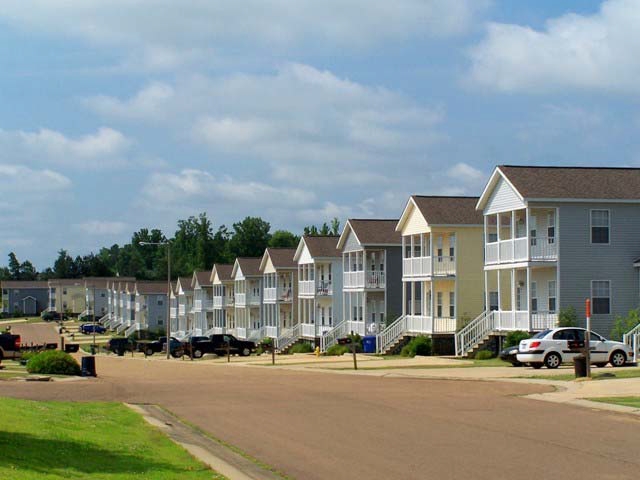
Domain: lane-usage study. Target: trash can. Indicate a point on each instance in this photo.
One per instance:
(88, 366)
(369, 344)
(580, 366)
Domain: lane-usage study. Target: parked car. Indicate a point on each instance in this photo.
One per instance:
(10, 345)
(552, 348)
(218, 344)
(49, 316)
(119, 345)
(509, 354)
(156, 346)
(88, 328)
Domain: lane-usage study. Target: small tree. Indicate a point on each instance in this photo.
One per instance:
(568, 317)
(624, 324)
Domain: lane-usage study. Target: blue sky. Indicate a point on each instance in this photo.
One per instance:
(118, 115)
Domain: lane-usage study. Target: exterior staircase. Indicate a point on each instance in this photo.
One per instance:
(632, 338)
(288, 337)
(133, 328)
(475, 334)
(341, 330)
(389, 339)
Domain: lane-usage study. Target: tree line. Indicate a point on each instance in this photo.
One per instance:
(194, 246)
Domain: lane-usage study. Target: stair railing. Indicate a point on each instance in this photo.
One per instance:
(474, 332)
(391, 334)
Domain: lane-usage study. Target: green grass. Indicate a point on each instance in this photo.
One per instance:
(609, 374)
(624, 401)
(102, 441)
(5, 321)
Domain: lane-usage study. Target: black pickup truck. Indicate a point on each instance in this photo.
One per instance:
(218, 344)
(10, 345)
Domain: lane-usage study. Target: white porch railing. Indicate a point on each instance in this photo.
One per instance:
(182, 310)
(288, 336)
(133, 328)
(104, 318)
(544, 248)
(416, 267)
(413, 324)
(214, 331)
(391, 333)
(324, 289)
(364, 279)
(217, 302)
(271, 331)
(120, 328)
(515, 250)
(341, 330)
(173, 312)
(270, 294)
(632, 338)
(254, 300)
(197, 305)
(444, 265)
(307, 330)
(241, 332)
(241, 299)
(353, 279)
(306, 287)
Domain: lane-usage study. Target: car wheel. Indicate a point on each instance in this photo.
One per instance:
(536, 365)
(177, 353)
(246, 352)
(600, 365)
(197, 353)
(516, 364)
(618, 358)
(148, 352)
(552, 360)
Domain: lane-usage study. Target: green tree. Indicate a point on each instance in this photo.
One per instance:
(623, 325)
(568, 317)
(14, 267)
(284, 239)
(64, 266)
(335, 226)
(28, 271)
(250, 237)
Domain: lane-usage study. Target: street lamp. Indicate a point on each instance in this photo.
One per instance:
(168, 290)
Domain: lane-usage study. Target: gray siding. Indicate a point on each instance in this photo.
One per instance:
(351, 243)
(394, 281)
(16, 300)
(336, 274)
(503, 199)
(155, 311)
(580, 261)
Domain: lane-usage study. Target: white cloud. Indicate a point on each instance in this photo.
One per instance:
(102, 149)
(148, 103)
(594, 52)
(102, 228)
(18, 179)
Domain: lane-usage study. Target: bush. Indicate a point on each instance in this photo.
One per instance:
(624, 324)
(568, 317)
(484, 355)
(420, 346)
(337, 350)
(26, 356)
(514, 338)
(301, 348)
(53, 362)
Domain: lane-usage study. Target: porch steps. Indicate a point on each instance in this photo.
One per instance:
(396, 347)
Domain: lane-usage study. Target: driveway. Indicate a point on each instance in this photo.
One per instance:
(315, 425)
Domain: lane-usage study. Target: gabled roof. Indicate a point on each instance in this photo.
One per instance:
(70, 282)
(281, 258)
(151, 288)
(250, 266)
(24, 284)
(223, 270)
(202, 278)
(103, 282)
(443, 210)
(567, 183)
(371, 232)
(319, 246)
(184, 283)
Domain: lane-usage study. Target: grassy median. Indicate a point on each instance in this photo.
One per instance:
(624, 401)
(63, 440)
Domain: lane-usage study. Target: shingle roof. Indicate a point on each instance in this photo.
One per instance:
(24, 284)
(224, 271)
(282, 257)
(250, 266)
(67, 281)
(157, 288)
(448, 210)
(376, 232)
(103, 282)
(574, 182)
(185, 283)
(322, 246)
(203, 278)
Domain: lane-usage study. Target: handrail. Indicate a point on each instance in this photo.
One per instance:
(331, 337)
(288, 336)
(391, 333)
(133, 328)
(474, 332)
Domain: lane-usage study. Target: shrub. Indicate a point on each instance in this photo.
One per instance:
(624, 324)
(514, 338)
(568, 317)
(420, 346)
(53, 362)
(337, 350)
(26, 356)
(301, 348)
(484, 355)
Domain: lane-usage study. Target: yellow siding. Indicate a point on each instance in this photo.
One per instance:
(269, 268)
(415, 222)
(469, 271)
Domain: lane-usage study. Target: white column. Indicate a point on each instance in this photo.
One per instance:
(404, 298)
(529, 296)
(413, 298)
(486, 291)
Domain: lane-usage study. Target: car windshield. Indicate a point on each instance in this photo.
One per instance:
(541, 334)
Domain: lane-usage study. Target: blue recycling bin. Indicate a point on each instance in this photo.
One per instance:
(369, 344)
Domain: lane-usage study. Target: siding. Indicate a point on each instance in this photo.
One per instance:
(351, 244)
(503, 199)
(40, 294)
(394, 282)
(305, 256)
(580, 262)
(415, 222)
(469, 272)
(269, 268)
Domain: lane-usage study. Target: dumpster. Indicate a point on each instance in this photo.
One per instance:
(88, 366)
(369, 344)
(580, 366)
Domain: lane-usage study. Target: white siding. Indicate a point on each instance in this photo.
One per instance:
(305, 256)
(415, 222)
(269, 268)
(351, 243)
(503, 199)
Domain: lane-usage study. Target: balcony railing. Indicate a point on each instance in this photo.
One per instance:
(306, 287)
(270, 294)
(324, 289)
(182, 309)
(515, 250)
(444, 265)
(218, 302)
(270, 331)
(365, 279)
(254, 300)
(429, 324)
(416, 267)
(241, 299)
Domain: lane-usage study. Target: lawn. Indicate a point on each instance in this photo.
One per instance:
(624, 401)
(608, 374)
(63, 440)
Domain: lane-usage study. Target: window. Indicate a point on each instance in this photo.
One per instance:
(601, 297)
(534, 297)
(417, 250)
(64, 291)
(551, 228)
(493, 301)
(439, 249)
(439, 304)
(452, 304)
(452, 246)
(160, 302)
(552, 296)
(102, 294)
(600, 226)
(330, 315)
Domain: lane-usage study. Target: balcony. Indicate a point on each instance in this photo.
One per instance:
(306, 287)
(310, 330)
(270, 294)
(373, 279)
(429, 324)
(541, 249)
(254, 300)
(241, 299)
(182, 310)
(509, 320)
(324, 289)
(280, 294)
(270, 331)
(416, 267)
